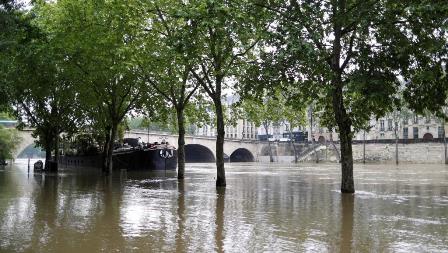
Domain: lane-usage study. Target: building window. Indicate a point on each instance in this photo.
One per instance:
(382, 135)
(415, 132)
(405, 133)
(389, 125)
(428, 120)
(405, 121)
(440, 132)
(381, 125)
(415, 119)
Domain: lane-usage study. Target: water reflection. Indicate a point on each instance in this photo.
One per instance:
(219, 218)
(347, 203)
(180, 242)
(264, 208)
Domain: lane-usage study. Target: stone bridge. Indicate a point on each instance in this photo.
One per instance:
(203, 148)
(26, 140)
(197, 148)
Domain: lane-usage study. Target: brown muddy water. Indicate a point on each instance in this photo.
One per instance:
(265, 208)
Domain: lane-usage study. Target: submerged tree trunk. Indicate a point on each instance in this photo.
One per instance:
(345, 133)
(342, 118)
(110, 148)
(396, 147)
(106, 149)
(56, 151)
(266, 128)
(48, 157)
(221, 175)
(316, 155)
(444, 142)
(180, 143)
(291, 140)
(48, 142)
(364, 147)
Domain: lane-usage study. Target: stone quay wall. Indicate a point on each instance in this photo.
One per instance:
(431, 152)
(412, 153)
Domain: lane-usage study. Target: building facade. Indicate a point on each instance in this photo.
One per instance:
(411, 127)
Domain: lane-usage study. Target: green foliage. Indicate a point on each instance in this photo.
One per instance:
(42, 93)
(15, 29)
(375, 42)
(98, 39)
(273, 109)
(9, 139)
(6, 116)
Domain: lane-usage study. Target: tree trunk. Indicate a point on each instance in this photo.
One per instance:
(291, 140)
(180, 143)
(110, 148)
(271, 157)
(444, 142)
(396, 148)
(48, 148)
(345, 133)
(56, 151)
(342, 119)
(316, 155)
(221, 174)
(364, 148)
(48, 157)
(106, 149)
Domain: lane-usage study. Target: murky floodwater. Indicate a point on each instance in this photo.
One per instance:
(274, 208)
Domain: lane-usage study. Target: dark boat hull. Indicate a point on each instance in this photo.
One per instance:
(158, 159)
(146, 160)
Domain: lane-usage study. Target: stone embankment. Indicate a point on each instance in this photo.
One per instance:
(374, 152)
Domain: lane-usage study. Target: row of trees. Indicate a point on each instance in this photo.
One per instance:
(76, 63)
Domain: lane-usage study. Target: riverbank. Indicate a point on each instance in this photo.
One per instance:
(431, 152)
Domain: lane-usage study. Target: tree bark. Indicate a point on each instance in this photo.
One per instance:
(56, 151)
(342, 119)
(180, 143)
(364, 148)
(221, 175)
(110, 148)
(47, 155)
(266, 128)
(48, 148)
(444, 142)
(396, 148)
(345, 133)
(106, 149)
(316, 155)
(291, 140)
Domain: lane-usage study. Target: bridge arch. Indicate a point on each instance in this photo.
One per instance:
(31, 151)
(197, 153)
(26, 141)
(242, 155)
(428, 136)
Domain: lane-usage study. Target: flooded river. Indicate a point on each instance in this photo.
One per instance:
(265, 208)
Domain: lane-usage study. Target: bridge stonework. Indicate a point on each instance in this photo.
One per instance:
(255, 147)
(25, 140)
(230, 145)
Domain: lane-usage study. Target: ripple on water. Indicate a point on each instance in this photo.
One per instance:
(265, 208)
